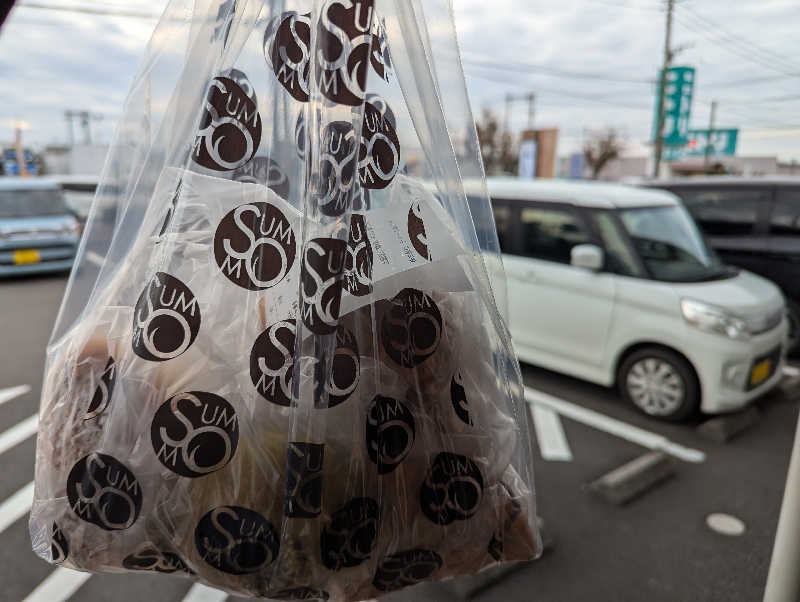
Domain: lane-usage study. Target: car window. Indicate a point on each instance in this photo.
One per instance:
(549, 233)
(502, 219)
(725, 212)
(785, 220)
(32, 203)
(620, 258)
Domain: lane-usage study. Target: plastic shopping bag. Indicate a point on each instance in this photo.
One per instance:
(281, 365)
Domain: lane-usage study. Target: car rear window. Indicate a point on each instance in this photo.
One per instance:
(32, 203)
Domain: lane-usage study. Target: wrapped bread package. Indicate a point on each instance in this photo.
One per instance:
(281, 366)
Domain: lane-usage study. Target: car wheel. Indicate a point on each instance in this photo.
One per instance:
(793, 316)
(660, 383)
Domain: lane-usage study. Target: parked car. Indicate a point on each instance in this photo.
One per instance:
(753, 223)
(38, 232)
(78, 191)
(616, 285)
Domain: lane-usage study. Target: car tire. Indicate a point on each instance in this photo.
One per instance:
(793, 316)
(659, 383)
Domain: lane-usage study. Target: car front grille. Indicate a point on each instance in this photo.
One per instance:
(55, 253)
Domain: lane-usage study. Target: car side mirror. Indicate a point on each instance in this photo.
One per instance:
(587, 256)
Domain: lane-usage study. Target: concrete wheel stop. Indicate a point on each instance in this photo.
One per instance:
(725, 427)
(634, 478)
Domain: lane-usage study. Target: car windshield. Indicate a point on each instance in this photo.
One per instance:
(32, 203)
(670, 244)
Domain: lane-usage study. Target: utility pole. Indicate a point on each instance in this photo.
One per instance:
(84, 118)
(20, 151)
(531, 99)
(712, 118)
(662, 90)
(70, 129)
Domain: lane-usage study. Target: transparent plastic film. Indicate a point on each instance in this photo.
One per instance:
(281, 365)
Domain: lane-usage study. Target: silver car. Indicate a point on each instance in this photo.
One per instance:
(38, 231)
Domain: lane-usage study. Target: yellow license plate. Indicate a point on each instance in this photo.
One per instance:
(760, 372)
(25, 256)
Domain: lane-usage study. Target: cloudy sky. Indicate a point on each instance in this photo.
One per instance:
(590, 63)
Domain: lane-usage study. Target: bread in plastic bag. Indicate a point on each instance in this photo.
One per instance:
(288, 374)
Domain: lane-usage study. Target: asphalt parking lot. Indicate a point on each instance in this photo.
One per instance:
(657, 547)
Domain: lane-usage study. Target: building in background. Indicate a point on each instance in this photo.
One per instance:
(628, 168)
(81, 159)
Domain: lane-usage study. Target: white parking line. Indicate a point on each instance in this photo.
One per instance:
(550, 434)
(16, 506)
(59, 586)
(613, 426)
(12, 392)
(203, 593)
(95, 258)
(18, 433)
(791, 371)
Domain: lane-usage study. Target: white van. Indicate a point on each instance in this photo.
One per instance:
(614, 284)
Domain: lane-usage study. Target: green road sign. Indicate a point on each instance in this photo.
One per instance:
(677, 105)
(722, 142)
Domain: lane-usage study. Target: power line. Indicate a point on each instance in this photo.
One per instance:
(565, 93)
(748, 81)
(547, 70)
(736, 48)
(766, 52)
(769, 99)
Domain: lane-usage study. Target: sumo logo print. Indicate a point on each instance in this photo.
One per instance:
(348, 539)
(103, 392)
(458, 397)
(333, 183)
(272, 361)
(406, 568)
(236, 540)
(358, 262)
(321, 283)
(303, 479)
(195, 433)
(343, 57)
(230, 129)
(59, 546)
(289, 51)
(101, 490)
(390, 433)
(411, 329)
(345, 368)
(379, 151)
(416, 231)
(166, 319)
(149, 558)
(255, 246)
(452, 490)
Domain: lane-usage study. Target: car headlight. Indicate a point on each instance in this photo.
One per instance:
(714, 319)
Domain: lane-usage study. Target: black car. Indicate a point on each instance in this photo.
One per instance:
(753, 223)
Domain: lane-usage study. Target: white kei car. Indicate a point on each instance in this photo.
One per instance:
(616, 285)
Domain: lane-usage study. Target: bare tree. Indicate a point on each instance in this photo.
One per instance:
(497, 146)
(601, 148)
